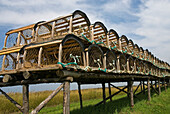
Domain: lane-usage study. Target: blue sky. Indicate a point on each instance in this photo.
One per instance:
(146, 22)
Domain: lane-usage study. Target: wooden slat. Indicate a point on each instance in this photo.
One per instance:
(44, 44)
(10, 50)
(21, 29)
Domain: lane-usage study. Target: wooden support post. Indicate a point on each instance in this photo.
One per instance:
(131, 94)
(118, 64)
(71, 25)
(87, 58)
(155, 84)
(25, 99)
(104, 93)
(141, 85)
(159, 87)
(151, 86)
(52, 32)
(149, 94)
(128, 89)
(24, 58)
(104, 61)
(18, 57)
(19, 39)
(80, 95)
(84, 58)
(110, 93)
(60, 53)
(66, 98)
(165, 84)
(144, 87)
(40, 56)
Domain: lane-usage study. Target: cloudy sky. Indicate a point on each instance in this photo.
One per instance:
(146, 22)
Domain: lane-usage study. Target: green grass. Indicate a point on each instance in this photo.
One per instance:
(160, 104)
(35, 98)
(120, 104)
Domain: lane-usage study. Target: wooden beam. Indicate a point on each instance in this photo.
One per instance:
(80, 95)
(40, 56)
(26, 99)
(109, 91)
(165, 84)
(7, 78)
(66, 98)
(155, 90)
(104, 93)
(136, 89)
(159, 86)
(118, 88)
(110, 96)
(131, 94)
(149, 94)
(60, 53)
(42, 104)
(143, 87)
(12, 101)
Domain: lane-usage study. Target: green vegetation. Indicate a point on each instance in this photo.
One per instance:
(37, 97)
(120, 104)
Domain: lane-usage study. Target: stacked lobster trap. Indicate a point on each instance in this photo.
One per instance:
(73, 42)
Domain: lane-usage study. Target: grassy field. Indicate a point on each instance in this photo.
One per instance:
(37, 97)
(159, 104)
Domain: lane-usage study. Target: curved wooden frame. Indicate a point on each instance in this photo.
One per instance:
(99, 33)
(113, 39)
(123, 43)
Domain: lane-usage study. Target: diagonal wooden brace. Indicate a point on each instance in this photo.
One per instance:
(12, 101)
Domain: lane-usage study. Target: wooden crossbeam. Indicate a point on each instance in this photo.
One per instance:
(137, 88)
(154, 89)
(119, 88)
(111, 96)
(12, 101)
(42, 104)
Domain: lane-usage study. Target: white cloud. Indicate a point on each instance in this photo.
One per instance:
(151, 20)
(155, 25)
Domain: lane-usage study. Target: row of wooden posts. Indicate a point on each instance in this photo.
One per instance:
(66, 94)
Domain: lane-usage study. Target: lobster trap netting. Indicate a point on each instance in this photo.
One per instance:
(122, 63)
(12, 40)
(10, 61)
(95, 57)
(44, 32)
(111, 61)
(50, 55)
(31, 58)
(28, 35)
(72, 53)
(131, 64)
